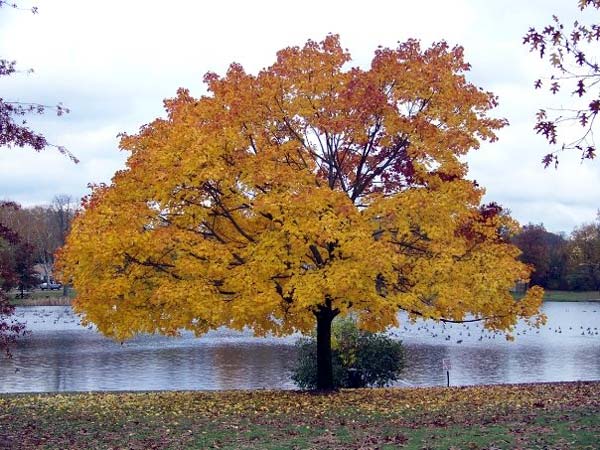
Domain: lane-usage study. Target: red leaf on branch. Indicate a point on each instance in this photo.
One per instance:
(580, 88)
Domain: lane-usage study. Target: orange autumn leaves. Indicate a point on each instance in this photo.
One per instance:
(430, 403)
(549, 415)
(309, 181)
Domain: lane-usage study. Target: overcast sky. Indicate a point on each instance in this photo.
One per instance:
(113, 62)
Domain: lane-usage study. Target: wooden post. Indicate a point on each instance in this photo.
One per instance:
(447, 365)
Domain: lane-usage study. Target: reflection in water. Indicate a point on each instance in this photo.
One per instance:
(61, 355)
(82, 360)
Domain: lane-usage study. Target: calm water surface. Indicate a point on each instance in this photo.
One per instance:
(61, 355)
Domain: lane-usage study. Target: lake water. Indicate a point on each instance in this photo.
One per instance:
(61, 355)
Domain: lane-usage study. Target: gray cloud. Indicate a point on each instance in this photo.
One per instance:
(114, 62)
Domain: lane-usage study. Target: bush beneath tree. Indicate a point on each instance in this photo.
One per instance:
(359, 358)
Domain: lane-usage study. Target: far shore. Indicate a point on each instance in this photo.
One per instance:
(56, 298)
(43, 298)
(43, 301)
(572, 296)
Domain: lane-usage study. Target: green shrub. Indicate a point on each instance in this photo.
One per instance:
(359, 358)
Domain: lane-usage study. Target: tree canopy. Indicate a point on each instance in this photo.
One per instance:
(42, 228)
(547, 253)
(585, 256)
(312, 189)
(14, 130)
(572, 52)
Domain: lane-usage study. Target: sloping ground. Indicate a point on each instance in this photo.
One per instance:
(535, 416)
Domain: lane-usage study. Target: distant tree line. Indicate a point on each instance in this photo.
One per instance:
(565, 262)
(31, 236)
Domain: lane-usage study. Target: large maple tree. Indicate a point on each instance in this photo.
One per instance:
(310, 190)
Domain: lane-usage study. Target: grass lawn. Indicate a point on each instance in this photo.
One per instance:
(536, 416)
(571, 296)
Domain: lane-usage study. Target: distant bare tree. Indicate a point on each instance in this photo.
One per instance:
(64, 208)
(585, 256)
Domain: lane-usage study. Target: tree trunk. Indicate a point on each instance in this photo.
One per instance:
(324, 316)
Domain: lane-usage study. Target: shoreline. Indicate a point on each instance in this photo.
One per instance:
(67, 301)
(212, 392)
(48, 301)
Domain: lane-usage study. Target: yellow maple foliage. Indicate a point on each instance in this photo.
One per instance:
(283, 199)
